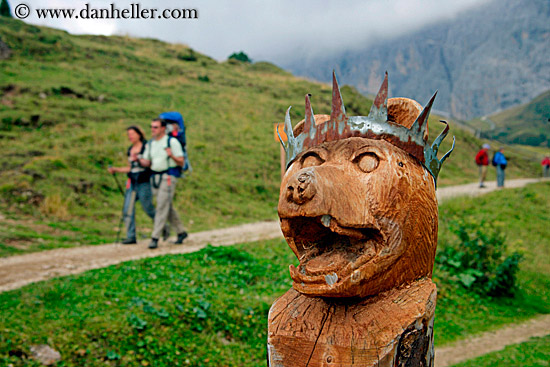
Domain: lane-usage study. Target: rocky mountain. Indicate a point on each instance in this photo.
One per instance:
(489, 58)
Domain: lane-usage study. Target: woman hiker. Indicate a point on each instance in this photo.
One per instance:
(138, 186)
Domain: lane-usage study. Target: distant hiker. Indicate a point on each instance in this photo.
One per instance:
(163, 154)
(175, 126)
(500, 162)
(545, 167)
(482, 161)
(138, 186)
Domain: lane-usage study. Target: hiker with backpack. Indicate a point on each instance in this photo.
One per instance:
(164, 155)
(545, 167)
(175, 127)
(500, 162)
(482, 161)
(138, 186)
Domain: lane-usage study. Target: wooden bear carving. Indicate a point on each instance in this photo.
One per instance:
(358, 208)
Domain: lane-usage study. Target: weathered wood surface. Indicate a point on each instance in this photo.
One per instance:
(361, 217)
(394, 328)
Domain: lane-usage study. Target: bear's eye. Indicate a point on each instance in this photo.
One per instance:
(311, 160)
(367, 162)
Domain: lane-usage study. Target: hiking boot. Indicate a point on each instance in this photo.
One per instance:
(154, 243)
(129, 241)
(181, 237)
(165, 233)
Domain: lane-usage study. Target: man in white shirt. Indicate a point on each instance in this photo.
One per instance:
(164, 155)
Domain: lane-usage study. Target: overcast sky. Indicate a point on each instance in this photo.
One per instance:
(265, 30)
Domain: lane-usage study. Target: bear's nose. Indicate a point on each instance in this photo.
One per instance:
(301, 188)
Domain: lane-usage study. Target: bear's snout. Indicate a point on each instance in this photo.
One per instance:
(301, 188)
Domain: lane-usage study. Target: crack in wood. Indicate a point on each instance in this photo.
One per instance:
(325, 318)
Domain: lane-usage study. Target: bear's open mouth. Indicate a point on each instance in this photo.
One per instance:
(329, 252)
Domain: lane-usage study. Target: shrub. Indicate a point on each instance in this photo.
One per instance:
(478, 259)
(55, 206)
(241, 56)
(189, 55)
(5, 9)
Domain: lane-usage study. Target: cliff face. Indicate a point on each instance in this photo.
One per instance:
(487, 59)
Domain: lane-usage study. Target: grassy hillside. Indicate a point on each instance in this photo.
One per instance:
(65, 102)
(527, 124)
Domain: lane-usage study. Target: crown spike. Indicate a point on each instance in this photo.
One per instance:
(379, 108)
(381, 99)
(288, 126)
(413, 140)
(420, 125)
(309, 121)
(442, 135)
(446, 155)
(338, 112)
(280, 138)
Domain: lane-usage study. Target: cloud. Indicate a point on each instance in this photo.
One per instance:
(272, 31)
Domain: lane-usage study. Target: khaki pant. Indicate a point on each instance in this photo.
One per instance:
(165, 211)
(482, 174)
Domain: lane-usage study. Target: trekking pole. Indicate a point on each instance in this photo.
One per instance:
(117, 183)
(123, 214)
(120, 225)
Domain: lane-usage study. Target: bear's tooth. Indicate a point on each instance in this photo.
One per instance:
(331, 278)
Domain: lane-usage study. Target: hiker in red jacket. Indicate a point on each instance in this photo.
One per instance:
(482, 161)
(545, 167)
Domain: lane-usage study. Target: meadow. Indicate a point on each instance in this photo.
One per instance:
(209, 308)
(65, 102)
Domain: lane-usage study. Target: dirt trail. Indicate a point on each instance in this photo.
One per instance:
(492, 341)
(17, 271)
(474, 190)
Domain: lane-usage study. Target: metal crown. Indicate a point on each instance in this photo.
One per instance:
(374, 126)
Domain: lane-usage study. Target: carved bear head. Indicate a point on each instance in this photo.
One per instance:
(360, 214)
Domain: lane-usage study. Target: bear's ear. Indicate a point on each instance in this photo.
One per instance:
(404, 111)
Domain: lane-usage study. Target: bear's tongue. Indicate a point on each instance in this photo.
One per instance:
(328, 262)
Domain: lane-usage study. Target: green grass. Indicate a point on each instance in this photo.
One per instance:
(210, 308)
(522, 215)
(526, 124)
(533, 353)
(65, 102)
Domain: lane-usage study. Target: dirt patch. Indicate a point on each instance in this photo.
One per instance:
(38, 228)
(492, 341)
(17, 243)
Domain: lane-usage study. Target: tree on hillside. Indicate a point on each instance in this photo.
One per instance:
(5, 9)
(241, 56)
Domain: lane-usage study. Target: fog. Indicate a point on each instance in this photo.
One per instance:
(273, 31)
